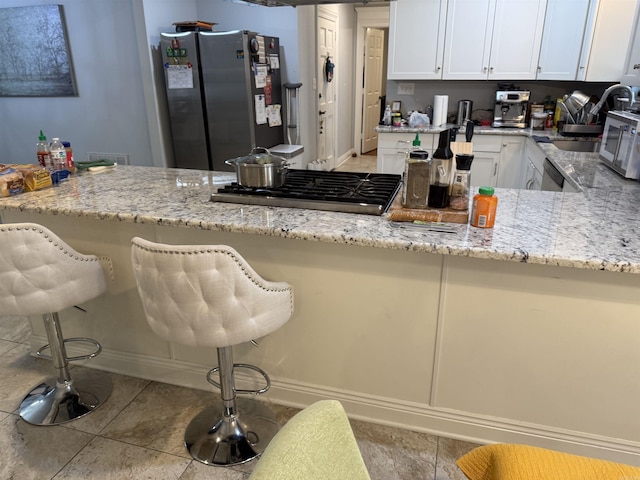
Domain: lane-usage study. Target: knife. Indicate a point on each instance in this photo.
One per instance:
(469, 132)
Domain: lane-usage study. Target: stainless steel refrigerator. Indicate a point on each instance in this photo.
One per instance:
(224, 95)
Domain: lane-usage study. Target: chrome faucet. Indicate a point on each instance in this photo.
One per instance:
(596, 108)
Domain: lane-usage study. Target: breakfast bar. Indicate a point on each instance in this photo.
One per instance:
(524, 333)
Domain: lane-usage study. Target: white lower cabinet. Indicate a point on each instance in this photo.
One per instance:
(393, 147)
(533, 166)
(484, 169)
(510, 171)
(497, 159)
(532, 178)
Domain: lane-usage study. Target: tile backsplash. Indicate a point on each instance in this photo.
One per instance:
(482, 93)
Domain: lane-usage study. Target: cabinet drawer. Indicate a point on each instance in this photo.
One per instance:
(404, 141)
(395, 140)
(483, 143)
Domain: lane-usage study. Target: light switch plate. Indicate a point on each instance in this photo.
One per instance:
(405, 88)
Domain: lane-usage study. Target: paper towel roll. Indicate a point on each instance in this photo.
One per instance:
(440, 108)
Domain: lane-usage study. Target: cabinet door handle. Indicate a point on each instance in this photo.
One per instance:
(438, 69)
(491, 69)
(529, 185)
(495, 169)
(539, 68)
(636, 66)
(484, 69)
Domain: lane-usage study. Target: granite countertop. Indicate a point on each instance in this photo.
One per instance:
(598, 229)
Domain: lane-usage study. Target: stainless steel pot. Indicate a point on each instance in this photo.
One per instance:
(260, 169)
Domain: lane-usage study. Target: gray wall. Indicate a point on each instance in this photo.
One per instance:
(109, 113)
(120, 107)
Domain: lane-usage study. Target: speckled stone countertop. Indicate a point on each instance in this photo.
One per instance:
(597, 229)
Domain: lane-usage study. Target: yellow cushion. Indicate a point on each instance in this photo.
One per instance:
(316, 444)
(522, 462)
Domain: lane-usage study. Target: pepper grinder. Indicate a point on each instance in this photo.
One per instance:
(461, 183)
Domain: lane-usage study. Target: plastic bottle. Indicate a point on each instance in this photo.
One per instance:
(485, 204)
(42, 151)
(58, 167)
(71, 166)
(387, 117)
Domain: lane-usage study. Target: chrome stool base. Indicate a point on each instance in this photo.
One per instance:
(54, 402)
(215, 439)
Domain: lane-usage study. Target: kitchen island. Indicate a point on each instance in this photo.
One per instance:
(525, 333)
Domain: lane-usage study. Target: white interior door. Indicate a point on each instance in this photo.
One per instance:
(326, 93)
(374, 61)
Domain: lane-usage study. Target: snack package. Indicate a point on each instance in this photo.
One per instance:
(11, 181)
(36, 177)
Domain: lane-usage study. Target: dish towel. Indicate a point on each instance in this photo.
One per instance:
(522, 462)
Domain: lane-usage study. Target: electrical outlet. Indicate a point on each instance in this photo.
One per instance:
(118, 158)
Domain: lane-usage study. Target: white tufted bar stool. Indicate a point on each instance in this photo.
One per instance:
(42, 275)
(209, 296)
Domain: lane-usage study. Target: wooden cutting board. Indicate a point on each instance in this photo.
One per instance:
(397, 213)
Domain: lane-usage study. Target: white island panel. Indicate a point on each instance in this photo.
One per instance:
(542, 345)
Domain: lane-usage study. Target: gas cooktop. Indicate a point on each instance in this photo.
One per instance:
(349, 192)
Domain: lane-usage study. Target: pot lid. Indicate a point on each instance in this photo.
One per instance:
(259, 156)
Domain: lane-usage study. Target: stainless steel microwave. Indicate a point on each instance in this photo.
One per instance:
(620, 147)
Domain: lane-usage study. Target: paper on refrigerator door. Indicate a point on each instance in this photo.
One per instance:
(260, 76)
(274, 116)
(261, 109)
(179, 76)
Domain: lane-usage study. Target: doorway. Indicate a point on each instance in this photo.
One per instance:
(372, 26)
(373, 74)
(326, 92)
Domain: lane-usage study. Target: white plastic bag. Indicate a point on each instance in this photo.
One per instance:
(418, 119)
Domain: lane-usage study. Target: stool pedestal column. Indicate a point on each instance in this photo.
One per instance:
(219, 435)
(63, 398)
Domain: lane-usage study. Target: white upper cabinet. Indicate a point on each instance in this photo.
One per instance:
(632, 67)
(611, 35)
(493, 39)
(468, 45)
(562, 39)
(416, 39)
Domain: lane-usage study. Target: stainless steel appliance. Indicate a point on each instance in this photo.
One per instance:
(620, 148)
(552, 179)
(510, 108)
(465, 107)
(224, 95)
(349, 192)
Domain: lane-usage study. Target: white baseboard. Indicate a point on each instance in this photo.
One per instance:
(459, 425)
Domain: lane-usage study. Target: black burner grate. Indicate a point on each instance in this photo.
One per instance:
(335, 191)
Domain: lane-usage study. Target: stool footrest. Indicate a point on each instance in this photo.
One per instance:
(240, 391)
(78, 357)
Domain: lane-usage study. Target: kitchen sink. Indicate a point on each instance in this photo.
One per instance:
(578, 145)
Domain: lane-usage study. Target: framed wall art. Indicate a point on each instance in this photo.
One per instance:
(36, 59)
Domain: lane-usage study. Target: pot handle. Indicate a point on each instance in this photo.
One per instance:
(260, 150)
(231, 162)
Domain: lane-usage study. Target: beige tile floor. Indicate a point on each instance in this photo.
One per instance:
(362, 163)
(138, 432)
